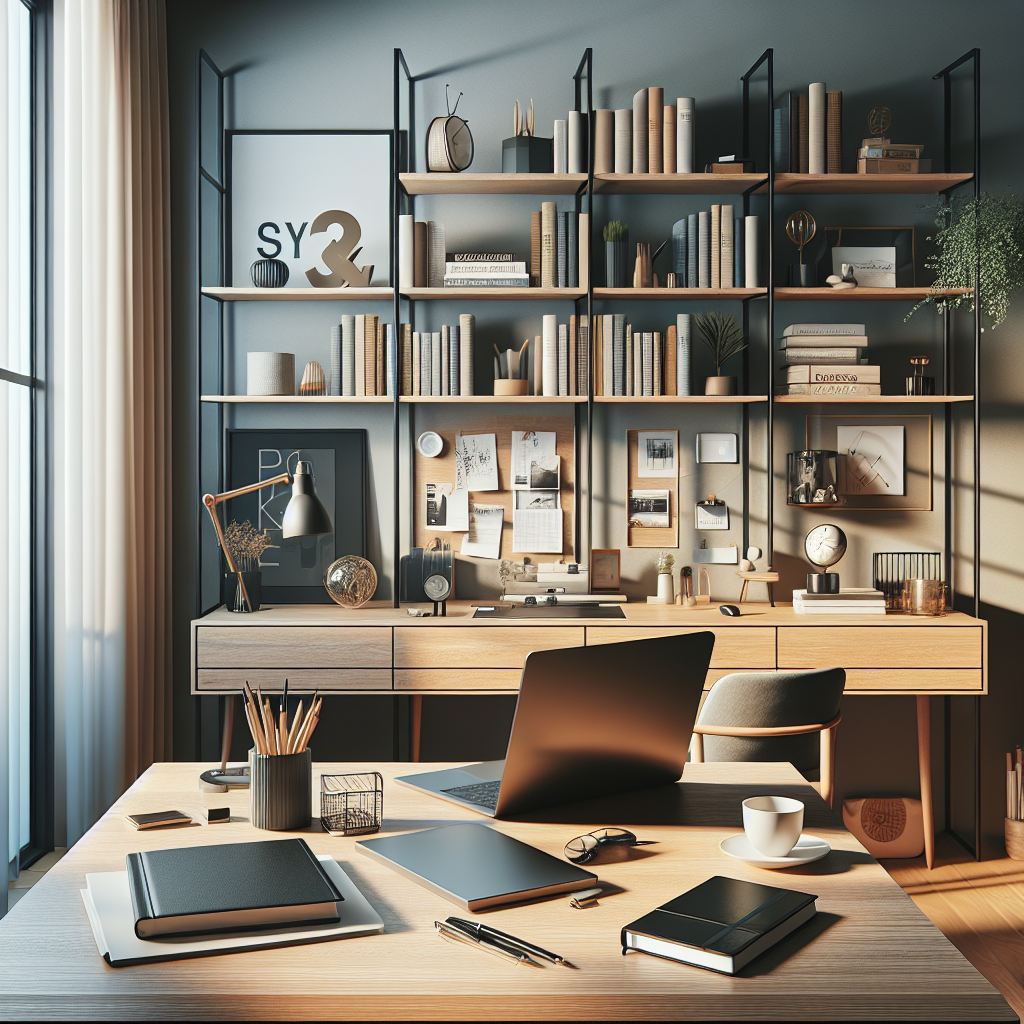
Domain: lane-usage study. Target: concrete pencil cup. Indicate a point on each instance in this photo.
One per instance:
(281, 790)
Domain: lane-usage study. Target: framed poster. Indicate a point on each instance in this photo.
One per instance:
(293, 569)
(287, 191)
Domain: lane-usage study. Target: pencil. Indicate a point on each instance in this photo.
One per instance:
(254, 719)
(257, 742)
(293, 733)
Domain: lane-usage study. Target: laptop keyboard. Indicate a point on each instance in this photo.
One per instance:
(483, 793)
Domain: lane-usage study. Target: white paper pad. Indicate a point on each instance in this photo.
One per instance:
(484, 537)
(537, 530)
(108, 903)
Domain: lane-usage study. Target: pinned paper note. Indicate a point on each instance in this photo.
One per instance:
(529, 446)
(477, 458)
(484, 537)
(446, 508)
(537, 530)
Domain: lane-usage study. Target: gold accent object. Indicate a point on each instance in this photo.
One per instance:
(800, 229)
(879, 121)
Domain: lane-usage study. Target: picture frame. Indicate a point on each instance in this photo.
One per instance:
(605, 570)
(281, 180)
(822, 433)
(652, 499)
(293, 569)
(900, 237)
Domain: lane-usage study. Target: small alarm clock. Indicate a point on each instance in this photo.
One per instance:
(449, 141)
(824, 546)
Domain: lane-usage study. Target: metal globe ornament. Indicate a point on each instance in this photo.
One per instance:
(351, 581)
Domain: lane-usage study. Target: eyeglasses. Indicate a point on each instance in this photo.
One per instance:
(583, 849)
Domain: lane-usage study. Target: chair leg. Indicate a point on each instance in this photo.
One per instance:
(771, 595)
(924, 763)
(229, 727)
(828, 763)
(743, 592)
(697, 748)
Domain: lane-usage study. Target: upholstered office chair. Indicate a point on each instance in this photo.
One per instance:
(772, 716)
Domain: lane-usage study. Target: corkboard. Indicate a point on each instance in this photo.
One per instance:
(442, 469)
(652, 537)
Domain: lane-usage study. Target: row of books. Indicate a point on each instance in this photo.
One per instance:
(827, 360)
(559, 248)
(422, 256)
(638, 364)
(652, 138)
(714, 249)
(808, 131)
(439, 362)
(361, 360)
(881, 156)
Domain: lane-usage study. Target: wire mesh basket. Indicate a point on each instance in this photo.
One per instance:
(890, 568)
(351, 805)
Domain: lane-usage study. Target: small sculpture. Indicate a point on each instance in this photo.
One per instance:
(522, 120)
(351, 581)
(846, 281)
(879, 121)
(801, 228)
(313, 381)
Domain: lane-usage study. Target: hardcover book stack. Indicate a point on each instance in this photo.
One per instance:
(652, 138)
(827, 360)
(485, 270)
(850, 601)
(639, 364)
(881, 156)
(714, 249)
(808, 131)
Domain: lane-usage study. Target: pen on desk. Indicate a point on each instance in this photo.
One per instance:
(452, 934)
(483, 932)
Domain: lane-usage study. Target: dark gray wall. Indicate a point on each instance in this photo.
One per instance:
(319, 64)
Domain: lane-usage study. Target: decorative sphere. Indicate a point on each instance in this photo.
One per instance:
(351, 581)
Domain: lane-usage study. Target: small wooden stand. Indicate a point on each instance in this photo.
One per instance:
(770, 578)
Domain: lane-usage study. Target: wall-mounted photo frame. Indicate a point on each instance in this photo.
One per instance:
(652, 505)
(281, 181)
(605, 570)
(885, 462)
(293, 569)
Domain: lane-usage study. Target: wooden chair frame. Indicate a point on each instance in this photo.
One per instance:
(828, 743)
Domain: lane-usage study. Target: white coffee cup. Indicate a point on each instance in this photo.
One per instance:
(773, 823)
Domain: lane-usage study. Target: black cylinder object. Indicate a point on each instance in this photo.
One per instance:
(269, 273)
(823, 583)
(281, 790)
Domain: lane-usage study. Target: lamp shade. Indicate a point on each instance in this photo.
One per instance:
(305, 515)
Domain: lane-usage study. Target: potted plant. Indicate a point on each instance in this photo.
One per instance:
(723, 337)
(616, 253)
(985, 233)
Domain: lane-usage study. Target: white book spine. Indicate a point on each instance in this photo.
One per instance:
(682, 353)
(435, 254)
(549, 378)
(467, 328)
(390, 360)
(640, 132)
(716, 246)
(648, 363)
(348, 355)
(425, 369)
(658, 370)
(623, 141)
(405, 250)
(336, 360)
(435, 363)
(704, 249)
(727, 247)
(360, 355)
(563, 360)
(561, 145)
(685, 109)
(638, 365)
(816, 128)
(577, 142)
(607, 345)
(750, 252)
(630, 368)
(416, 371)
(446, 365)
(584, 251)
(455, 363)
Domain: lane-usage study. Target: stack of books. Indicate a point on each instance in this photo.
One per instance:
(827, 360)
(440, 362)
(808, 131)
(709, 250)
(652, 138)
(485, 270)
(880, 156)
(850, 601)
(559, 247)
(361, 357)
(639, 364)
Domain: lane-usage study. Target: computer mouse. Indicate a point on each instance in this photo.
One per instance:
(729, 609)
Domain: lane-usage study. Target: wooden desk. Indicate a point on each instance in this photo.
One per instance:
(870, 953)
(380, 649)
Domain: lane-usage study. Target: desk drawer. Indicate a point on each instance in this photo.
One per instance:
(504, 680)
(738, 648)
(293, 646)
(914, 680)
(477, 646)
(301, 680)
(880, 646)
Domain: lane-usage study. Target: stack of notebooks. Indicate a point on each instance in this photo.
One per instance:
(808, 131)
(637, 364)
(827, 360)
(559, 248)
(652, 138)
(361, 357)
(849, 601)
(880, 156)
(714, 249)
(485, 270)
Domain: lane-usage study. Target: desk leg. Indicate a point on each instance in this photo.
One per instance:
(415, 726)
(924, 762)
(229, 728)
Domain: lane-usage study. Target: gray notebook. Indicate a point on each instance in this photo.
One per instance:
(476, 866)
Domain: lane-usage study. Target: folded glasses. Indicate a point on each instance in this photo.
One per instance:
(584, 849)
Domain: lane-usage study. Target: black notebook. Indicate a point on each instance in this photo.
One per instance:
(228, 886)
(722, 924)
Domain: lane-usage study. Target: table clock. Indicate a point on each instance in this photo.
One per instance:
(449, 141)
(824, 546)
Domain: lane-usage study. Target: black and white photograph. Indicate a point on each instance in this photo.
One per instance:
(438, 496)
(536, 499)
(544, 473)
(656, 454)
(649, 509)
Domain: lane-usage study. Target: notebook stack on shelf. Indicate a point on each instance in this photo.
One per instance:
(849, 601)
(485, 270)
(880, 156)
(827, 360)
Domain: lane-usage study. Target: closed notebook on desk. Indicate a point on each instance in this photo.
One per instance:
(221, 887)
(476, 866)
(722, 924)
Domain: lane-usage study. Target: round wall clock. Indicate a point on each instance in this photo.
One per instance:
(449, 142)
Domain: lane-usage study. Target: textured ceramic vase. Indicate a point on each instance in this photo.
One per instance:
(269, 273)
(618, 267)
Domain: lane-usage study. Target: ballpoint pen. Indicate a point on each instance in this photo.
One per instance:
(483, 932)
(453, 934)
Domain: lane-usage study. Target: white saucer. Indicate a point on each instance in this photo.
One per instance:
(807, 850)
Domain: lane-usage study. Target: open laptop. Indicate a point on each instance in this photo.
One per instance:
(589, 721)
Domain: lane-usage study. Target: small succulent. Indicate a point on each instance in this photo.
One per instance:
(722, 335)
(666, 562)
(616, 231)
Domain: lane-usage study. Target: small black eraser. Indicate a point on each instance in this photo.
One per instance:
(217, 815)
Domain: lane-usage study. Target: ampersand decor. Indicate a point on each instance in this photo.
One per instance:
(339, 255)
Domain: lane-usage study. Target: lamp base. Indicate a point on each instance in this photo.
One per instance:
(823, 583)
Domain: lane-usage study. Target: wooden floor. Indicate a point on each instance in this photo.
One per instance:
(978, 906)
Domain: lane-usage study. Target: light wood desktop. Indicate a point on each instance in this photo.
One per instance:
(870, 953)
(383, 650)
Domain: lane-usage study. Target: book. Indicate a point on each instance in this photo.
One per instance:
(481, 257)
(425, 364)
(480, 268)
(486, 281)
(421, 262)
(348, 354)
(607, 330)
(682, 354)
(784, 128)
(407, 360)
(798, 329)
(435, 254)
(904, 152)
(467, 333)
(805, 373)
(692, 250)
(887, 166)
(656, 341)
(604, 141)
(416, 364)
(843, 608)
(535, 259)
(671, 356)
(655, 124)
(832, 356)
(550, 355)
(833, 390)
(577, 142)
(406, 251)
(727, 167)
(834, 132)
(435, 364)
(561, 146)
(819, 340)
(750, 251)
(685, 116)
(802, 134)
(359, 382)
(548, 245)
(572, 256)
(618, 354)
(668, 139)
(195, 889)
(726, 247)
(716, 245)
(370, 325)
(475, 866)
(647, 364)
(739, 252)
(679, 251)
(632, 361)
(816, 128)
(623, 141)
(562, 250)
(846, 594)
(721, 924)
(335, 381)
(573, 368)
(583, 280)
(454, 361)
(640, 133)
(704, 249)
(446, 364)
(563, 360)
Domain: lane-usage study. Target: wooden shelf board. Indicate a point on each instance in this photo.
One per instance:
(295, 399)
(489, 399)
(861, 294)
(676, 184)
(492, 184)
(684, 399)
(565, 294)
(678, 294)
(872, 399)
(865, 184)
(382, 294)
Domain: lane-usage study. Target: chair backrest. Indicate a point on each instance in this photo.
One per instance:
(765, 699)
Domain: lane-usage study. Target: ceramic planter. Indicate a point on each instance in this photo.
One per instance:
(720, 386)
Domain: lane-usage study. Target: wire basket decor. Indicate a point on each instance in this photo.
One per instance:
(890, 568)
(351, 805)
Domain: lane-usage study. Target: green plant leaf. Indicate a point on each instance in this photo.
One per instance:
(722, 335)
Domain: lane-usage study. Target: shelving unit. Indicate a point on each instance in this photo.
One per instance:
(862, 294)
(299, 294)
(867, 184)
